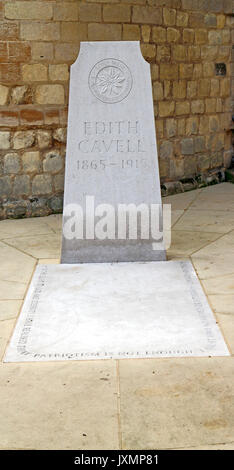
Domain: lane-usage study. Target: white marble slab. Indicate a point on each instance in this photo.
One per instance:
(111, 148)
(120, 310)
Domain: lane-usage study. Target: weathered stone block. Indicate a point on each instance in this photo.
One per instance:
(4, 91)
(9, 118)
(163, 53)
(209, 52)
(131, 32)
(204, 87)
(146, 32)
(65, 52)
(169, 16)
(221, 21)
(52, 116)
(117, 13)
(190, 166)
(44, 139)
(173, 35)
(197, 71)
(32, 117)
(59, 182)
(171, 127)
(179, 89)
(159, 34)
(215, 37)
(42, 184)
(182, 107)
(214, 87)
(21, 185)
(203, 162)
(182, 19)
(50, 94)
(194, 53)
(22, 10)
(181, 126)
(166, 108)
(60, 135)
(154, 71)
(210, 105)
(42, 51)
(191, 89)
(53, 162)
(58, 72)
(216, 159)
(34, 72)
(225, 87)
(208, 69)
(31, 161)
(168, 71)
(148, 51)
(5, 186)
(66, 11)
(191, 125)
(21, 95)
(159, 128)
(5, 137)
(199, 144)
(33, 31)
(166, 149)
(104, 32)
(188, 35)
(186, 70)
(11, 163)
(179, 52)
(90, 13)
(9, 31)
(213, 123)
(148, 15)
(197, 107)
(201, 36)
(72, 31)
(196, 19)
(9, 73)
(210, 20)
(215, 142)
(23, 139)
(187, 146)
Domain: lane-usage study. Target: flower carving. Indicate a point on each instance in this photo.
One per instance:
(110, 81)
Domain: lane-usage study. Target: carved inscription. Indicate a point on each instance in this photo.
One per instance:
(105, 143)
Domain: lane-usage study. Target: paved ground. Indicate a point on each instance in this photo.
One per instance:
(128, 404)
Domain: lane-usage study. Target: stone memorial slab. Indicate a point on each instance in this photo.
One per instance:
(115, 310)
(111, 158)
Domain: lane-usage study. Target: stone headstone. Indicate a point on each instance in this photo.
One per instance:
(111, 157)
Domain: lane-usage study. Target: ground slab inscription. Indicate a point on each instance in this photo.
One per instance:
(111, 149)
(115, 310)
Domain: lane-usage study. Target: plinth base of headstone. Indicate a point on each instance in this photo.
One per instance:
(120, 310)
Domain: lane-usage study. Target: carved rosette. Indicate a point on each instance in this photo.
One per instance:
(110, 80)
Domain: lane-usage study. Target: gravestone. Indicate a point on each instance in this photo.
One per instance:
(111, 157)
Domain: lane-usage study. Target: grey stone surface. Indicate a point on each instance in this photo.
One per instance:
(53, 162)
(42, 184)
(5, 140)
(21, 185)
(11, 163)
(5, 186)
(111, 145)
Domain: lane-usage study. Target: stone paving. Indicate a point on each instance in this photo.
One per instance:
(182, 403)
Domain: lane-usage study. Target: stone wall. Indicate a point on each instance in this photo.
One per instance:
(187, 42)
